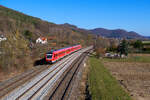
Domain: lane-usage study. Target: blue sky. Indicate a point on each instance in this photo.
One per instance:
(131, 15)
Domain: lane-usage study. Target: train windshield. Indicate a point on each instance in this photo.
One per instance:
(49, 56)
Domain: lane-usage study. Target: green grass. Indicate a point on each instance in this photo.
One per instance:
(145, 42)
(102, 85)
(144, 59)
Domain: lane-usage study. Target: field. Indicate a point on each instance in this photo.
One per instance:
(102, 85)
(145, 42)
(133, 73)
(142, 58)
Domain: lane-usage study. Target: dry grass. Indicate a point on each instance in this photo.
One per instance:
(133, 76)
(145, 55)
(83, 82)
(4, 76)
(102, 85)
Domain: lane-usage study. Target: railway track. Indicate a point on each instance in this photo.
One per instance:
(41, 84)
(10, 85)
(63, 89)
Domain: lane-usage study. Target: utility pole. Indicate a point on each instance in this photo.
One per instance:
(95, 42)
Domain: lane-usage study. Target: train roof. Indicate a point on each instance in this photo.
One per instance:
(58, 50)
(65, 48)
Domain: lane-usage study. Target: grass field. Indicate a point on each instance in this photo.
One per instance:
(145, 42)
(102, 85)
(131, 58)
(134, 74)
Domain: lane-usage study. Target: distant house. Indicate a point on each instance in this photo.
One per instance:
(2, 38)
(41, 40)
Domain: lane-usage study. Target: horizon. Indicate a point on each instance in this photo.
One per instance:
(130, 15)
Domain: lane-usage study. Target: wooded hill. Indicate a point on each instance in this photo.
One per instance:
(20, 50)
(118, 33)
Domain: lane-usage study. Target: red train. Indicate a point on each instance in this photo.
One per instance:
(53, 56)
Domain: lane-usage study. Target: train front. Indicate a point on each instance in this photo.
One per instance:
(49, 57)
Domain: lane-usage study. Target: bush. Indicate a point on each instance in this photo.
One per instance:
(138, 44)
(100, 52)
(28, 34)
(123, 48)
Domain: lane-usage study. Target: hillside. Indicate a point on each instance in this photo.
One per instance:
(148, 37)
(20, 51)
(118, 33)
(22, 31)
(11, 20)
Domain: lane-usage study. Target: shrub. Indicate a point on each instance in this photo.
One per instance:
(100, 52)
(28, 34)
(123, 48)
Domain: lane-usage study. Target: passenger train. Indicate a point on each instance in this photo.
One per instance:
(55, 55)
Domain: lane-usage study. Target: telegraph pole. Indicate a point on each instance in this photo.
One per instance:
(95, 42)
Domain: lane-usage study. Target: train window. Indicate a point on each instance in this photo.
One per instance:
(49, 56)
